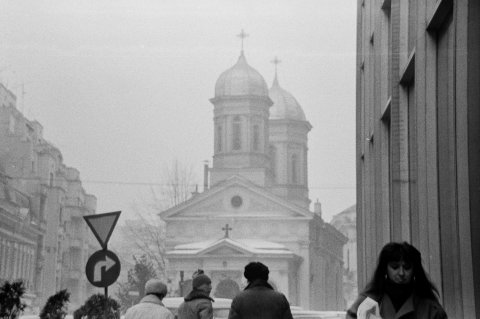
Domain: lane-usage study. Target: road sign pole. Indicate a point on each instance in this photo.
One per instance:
(106, 293)
(103, 267)
(106, 302)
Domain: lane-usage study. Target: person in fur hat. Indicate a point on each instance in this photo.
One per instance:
(259, 300)
(151, 306)
(198, 303)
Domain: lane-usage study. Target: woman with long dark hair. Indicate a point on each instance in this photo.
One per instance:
(400, 288)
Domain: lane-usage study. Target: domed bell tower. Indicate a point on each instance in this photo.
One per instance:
(288, 138)
(241, 112)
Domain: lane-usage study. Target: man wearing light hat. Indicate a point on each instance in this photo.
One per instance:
(151, 306)
(198, 304)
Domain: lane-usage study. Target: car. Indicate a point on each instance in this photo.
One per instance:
(299, 313)
(221, 306)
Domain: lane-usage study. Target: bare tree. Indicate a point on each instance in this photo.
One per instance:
(145, 235)
(177, 185)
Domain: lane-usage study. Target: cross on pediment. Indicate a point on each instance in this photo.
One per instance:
(226, 229)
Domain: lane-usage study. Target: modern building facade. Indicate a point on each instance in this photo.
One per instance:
(46, 202)
(418, 146)
(256, 206)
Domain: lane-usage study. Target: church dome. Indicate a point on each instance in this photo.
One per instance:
(241, 79)
(285, 106)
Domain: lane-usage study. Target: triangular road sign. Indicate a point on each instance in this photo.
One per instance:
(102, 226)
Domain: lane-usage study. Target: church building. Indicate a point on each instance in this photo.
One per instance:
(256, 207)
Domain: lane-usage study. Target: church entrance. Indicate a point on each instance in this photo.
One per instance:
(185, 287)
(227, 288)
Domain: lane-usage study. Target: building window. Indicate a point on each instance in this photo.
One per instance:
(11, 125)
(412, 164)
(60, 215)
(51, 180)
(237, 134)
(43, 199)
(294, 169)
(219, 138)
(386, 174)
(256, 137)
(273, 161)
(412, 24)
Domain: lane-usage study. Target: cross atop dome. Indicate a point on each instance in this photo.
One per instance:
(276, 62)
(242, 35)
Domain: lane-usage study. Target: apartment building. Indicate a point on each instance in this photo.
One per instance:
(47, 205)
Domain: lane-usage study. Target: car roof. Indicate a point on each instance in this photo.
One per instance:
(174, 302)
(315, 314)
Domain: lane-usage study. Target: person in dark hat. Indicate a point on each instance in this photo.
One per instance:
(198, 303)
(151, 306)
(259, 300)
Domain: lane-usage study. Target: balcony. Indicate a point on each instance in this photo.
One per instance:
(75, 274)
(74, 212)
(74, 202)
(76, 243)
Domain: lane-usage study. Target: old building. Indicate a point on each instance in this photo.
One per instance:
(257, 205)
(20, 231)
(418, 147)
(345, 222)
(50, 201)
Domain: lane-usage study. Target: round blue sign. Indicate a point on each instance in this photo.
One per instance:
(103, 268)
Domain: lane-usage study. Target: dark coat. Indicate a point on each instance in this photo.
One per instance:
(197, 305)
(260, 301)
(414, 308)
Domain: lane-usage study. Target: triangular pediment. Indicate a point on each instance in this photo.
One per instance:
(231, 248)
(236, 197)
(224, 249)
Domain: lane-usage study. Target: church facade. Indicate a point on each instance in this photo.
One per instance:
(256, 207)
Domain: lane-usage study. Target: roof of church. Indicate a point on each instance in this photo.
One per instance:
(253, 246)
(241, 79)
(348, 215)
(240, 181)
(285, 106)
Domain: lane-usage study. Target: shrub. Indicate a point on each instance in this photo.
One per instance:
(11, 304)
(95, 307)
(56, 305)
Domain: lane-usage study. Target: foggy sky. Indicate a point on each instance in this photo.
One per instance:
(122, 87)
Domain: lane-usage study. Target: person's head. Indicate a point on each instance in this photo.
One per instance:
(197, 272)
(202, 282)
(256, 270)
(401, 264)
(156, 287)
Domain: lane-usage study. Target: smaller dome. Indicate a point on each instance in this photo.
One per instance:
(241, 79)
(285, 106)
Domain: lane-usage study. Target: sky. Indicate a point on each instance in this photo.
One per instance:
(122, 88)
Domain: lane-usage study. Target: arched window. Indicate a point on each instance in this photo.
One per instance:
(219, 138)
(294, 168)
(273, 160)
(256, 137)
(237, 133)
(51, 180)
